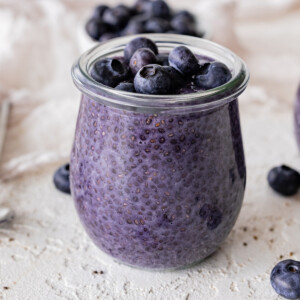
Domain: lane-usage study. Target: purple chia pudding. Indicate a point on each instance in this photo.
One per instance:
(159, 185)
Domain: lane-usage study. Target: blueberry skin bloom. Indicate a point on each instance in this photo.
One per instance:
(61, 179)
(153, 79)
(141, 58)
(109, 71)
(212, 75)
(284, 180)
(285, 279)
(183, 60)
(137, 43)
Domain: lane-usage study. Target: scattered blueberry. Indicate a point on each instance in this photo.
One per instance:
(6, 215)
(142, 6)
(125, 86)
(96, 28)
(182, 59)
(141, 58)
(285, 279)
(137, 43)
(182, 25)
(109, 71)
(99, 11)
(123, 20)
(157, 25)
(212, 215)
(61, 179)
(163, 59)
(135, 26)
(107, 36)
(184, 14)
(284, 180)
(153, 79)
(160, 9)
(117, 17)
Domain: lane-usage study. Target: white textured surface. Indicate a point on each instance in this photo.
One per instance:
(44, 252)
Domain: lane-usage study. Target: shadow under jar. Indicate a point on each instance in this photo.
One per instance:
(158, 181)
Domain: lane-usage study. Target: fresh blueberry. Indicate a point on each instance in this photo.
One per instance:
(184, 14)
(117, 17)
(285, 279)
(142, 6)
(212, 75)
(141, 58)
(163, 59)
(96, 28)
(153, 79)
(157, 25)
(99, 11)
(125, 86)
(160, 9)
(177, 78)
(134, 26)
(284, 180)
(109, 71)
(61, 178)
(137, 43)
(107, 36)
(183, 25)
(182, 59)
(212, 215)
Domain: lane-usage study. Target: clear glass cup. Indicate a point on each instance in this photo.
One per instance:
(158, 181)
(297, 116)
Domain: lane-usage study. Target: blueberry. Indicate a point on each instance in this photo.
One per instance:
(182, 59)
(284, 180)
(153, 79)
(183, 26)
(177, 78)
(163, 59)
(142, 6)
(160, 9)
(157, 25)
(285, 279)
(99, 11)
(212, 215)
(212, 75)
(95, 28)
(184, 14)
(141, 58)
(61, 179)
(117, 17)
(107, 36)
(109, 71)
(135, 26)
(125, 86)
(137, 43)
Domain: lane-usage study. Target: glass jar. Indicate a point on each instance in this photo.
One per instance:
(297, 116)
(158, 181)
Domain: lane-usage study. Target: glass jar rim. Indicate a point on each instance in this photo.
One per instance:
(138, 102)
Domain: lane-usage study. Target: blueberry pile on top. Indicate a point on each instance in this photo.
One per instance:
(143, 70)
(146, 16)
